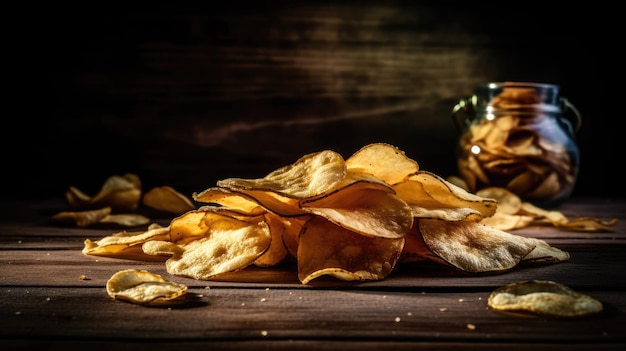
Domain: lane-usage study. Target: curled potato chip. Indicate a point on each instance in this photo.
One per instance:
(474, 247)
(165, 198)
(311, 175)
(233, 200)
(327, 249)
(277, 250)
(513, 213)
(82, 218)
(425, 192)
(544, 298)
(384, 161)
(121, 193)
(126, 244)
(228, 244)
(143, 287)
(365, 209)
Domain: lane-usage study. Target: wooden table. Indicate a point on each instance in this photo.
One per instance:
(45, 304)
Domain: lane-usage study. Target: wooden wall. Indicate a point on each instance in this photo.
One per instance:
(187, 95)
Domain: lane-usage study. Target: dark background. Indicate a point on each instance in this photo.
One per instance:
(186, 95)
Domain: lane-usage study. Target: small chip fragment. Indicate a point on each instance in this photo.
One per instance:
(143, 287)
(544, 298)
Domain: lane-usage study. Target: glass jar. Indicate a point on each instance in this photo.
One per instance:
(519, 136)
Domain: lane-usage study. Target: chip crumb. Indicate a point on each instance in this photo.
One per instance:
(409, 314)
(262, 299)
(471, 326)
(82, 277)
(397, 319)
(264, 332)
(17, 313)
(443, 309)
(243, 304)
(461, 300)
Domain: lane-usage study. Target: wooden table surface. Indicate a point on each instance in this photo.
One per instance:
(46, 305)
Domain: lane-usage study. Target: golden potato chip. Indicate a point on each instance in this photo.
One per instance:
(277, 251)
(384, 161)
(366, 207)
(82, 218)
(121, 193)
(508, 202)
(544, 253)
(553, 217)
(328, 249)
(142, 287)
(126, 219)
(233, 200)
(588, 224)
(425, 190)
(505, 221)
(474, 247)
(416, 250)
(127, 244)
(544, 298)
(311, 175)
(229, 244)
(291, 235)
(167, 199)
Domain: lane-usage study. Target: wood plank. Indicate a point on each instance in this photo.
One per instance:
(248, 314)
(595, 266)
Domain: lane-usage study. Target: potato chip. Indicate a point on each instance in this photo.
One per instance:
(311, 175)
(228, 244)
(474, 247)
(126, 244)
(82, 218)
(167, 199)
(121, 193)
(508, 202)
(291, 235)
(384, 161)
(425, 190)
(277, 251)
(363, 206)
(233, 200)
(126, 219)
(143, 287)
(544, 298)
(328, 249)
(544, 253)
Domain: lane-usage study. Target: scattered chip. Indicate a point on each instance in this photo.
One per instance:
(142, 287)
(513, 213)
(121, 193)
(82, 218)
(543, 298)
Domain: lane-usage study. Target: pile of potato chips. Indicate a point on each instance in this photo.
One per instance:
(352, 219)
